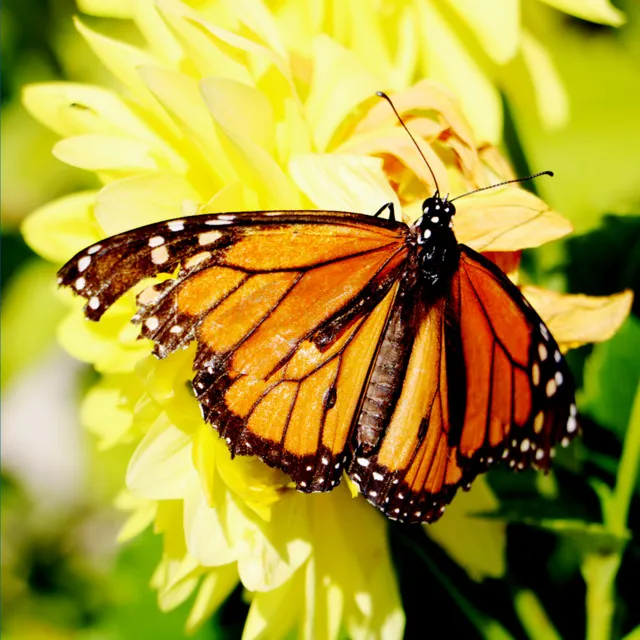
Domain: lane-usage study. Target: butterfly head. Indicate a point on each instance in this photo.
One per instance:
(437, 215)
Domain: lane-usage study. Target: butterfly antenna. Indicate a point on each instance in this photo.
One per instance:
(381, 94)
(500, 184)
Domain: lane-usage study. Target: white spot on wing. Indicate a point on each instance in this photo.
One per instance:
(208, 237)
(152, 323)
(94, 303)
(542, 351)
(159, 255)
(94, 249)
(83, 263)
(156, 241)
(79, 283)
(176, 225)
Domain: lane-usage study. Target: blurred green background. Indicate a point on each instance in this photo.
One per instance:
(63, 576)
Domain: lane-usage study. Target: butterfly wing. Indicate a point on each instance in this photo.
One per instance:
(477, 378)
(286, 309)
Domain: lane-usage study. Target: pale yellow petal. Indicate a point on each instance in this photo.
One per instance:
(270, 553)
(106, 8)
(70, 109)
(476, 544)
(241, 44)
(577, 319)
(61, 228)
(142, 514)
(216, 586)
(180, 95)
(507, 219)
(601, 11)
(180, 582)
(159, 467)
(133, 202)
(343, 183)
(340, 83)
(425, 96)
(258, 168)
(111, 345)
(395, 141)
(122, 60)
(204, 52)
(241, 110)
(274, 613)
(99, 152)
(205, 536)
(551, 96)
(156, 32)
(259, 18)
(104, 411)
(496, 24)
(448, 61)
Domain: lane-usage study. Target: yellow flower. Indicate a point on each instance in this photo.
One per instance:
(222, 113)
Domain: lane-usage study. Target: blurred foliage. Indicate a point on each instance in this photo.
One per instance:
(57, 583)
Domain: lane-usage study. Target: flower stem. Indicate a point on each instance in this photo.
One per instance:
(600, 569)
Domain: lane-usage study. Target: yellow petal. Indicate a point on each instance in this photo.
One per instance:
(133, 202)
(474, 543)
(61, 228)
(159, 467)
(105, 412)
(507, 219)
(70, 109)
(216, 586)
(259, 18)
(551, 97)
(258, 486)
(601, 11)
(577, 319)
(156, 32)
(181, 96)
(274, 613)
(225, 37)
(98, 152)
(340, 83)
(205, 52)
(182, 579)
(204, 533)
(106, 8)
(142, 515)
(122, 60)
(343, 183)
(258, 169)
(111, 345)
(496, 24)
(447, 61)
(270, 553)
(424, 96)
(241, 110)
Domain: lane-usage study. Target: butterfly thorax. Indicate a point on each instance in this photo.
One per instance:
(437, 246)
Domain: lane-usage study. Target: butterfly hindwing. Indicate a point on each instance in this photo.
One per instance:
(286, 309)
(478, 379)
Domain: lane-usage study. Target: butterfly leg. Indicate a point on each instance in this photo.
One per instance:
(392, 214)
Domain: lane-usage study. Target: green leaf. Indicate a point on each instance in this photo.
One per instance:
(611, 378)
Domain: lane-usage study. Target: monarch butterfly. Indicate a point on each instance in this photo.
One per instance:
(333, 341)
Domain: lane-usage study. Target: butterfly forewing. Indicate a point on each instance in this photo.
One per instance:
(286, 309)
